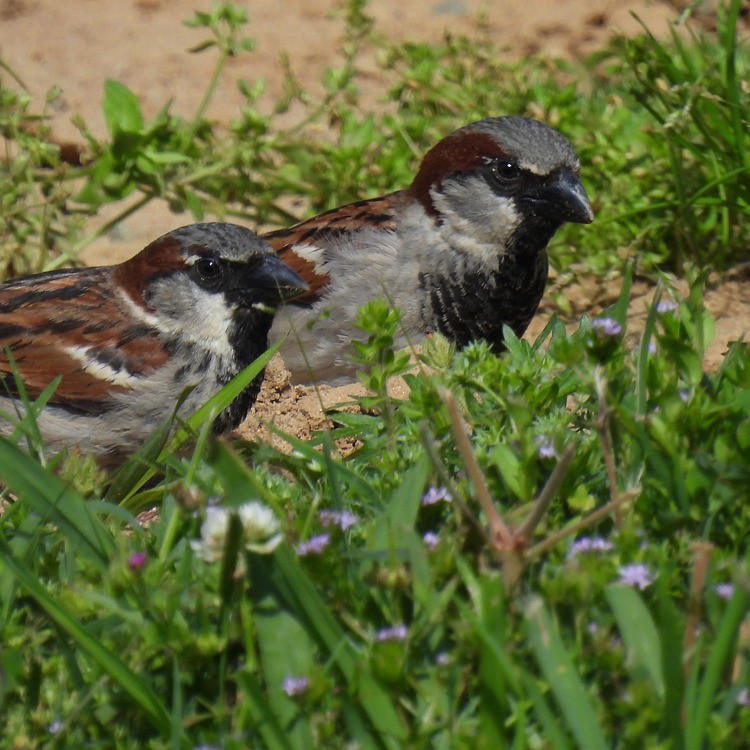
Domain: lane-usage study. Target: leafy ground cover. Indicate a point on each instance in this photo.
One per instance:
(543, 549)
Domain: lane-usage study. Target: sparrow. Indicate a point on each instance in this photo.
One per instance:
(461, 251)
(190, 311)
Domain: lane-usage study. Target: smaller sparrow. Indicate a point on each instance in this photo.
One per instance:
(191, 310)
(463, 250)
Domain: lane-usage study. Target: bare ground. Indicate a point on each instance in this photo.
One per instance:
(78, 44)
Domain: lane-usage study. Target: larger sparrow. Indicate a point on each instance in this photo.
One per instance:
(462, 250)
(189, 311)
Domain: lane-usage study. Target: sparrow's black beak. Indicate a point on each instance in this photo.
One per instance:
(275, 281)
(564, 198)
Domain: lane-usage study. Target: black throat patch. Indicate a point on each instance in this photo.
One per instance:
(478, 304)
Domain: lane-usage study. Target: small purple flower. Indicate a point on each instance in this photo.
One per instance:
(652, 348)
(606, 327)
(435, 495)
(666, 306)
(636, 575)
(394, 633)
(546, 447)
(137, 561)
(314, 545)
(431, 540)
(442, 659)
(743, 697)
(587, 544)
(724, 590)
(55, 726)
(343, 519)
(295, 685)
(684, 394)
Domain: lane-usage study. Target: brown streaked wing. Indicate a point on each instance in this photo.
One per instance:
(42, 316)
(322, 229)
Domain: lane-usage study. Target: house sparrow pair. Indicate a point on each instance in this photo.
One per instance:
(191, 310)
(462, 251)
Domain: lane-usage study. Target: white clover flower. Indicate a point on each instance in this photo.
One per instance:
(260, 527)
(210, 547)
(260, 530)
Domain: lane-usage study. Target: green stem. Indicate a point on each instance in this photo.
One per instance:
(209, 93)
(86, 241)
(173, 526)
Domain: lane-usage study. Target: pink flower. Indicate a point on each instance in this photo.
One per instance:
(137, 561)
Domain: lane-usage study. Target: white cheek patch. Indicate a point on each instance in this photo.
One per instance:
(86, 356)
(143, 316)
(205, 321)
(477, 221)
(209, 322)
(504, 220)
(313, 254)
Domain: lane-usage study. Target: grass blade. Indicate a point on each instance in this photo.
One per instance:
(639, 634)
(395, 524)
(138, 690)
(557, 666)
(52, 499)
(264, 721)
(721, 650)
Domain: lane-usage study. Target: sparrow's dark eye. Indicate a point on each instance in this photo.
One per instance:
(506, 171)
(209, 273)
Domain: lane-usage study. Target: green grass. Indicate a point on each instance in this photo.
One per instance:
(542, 550)
(413, 627)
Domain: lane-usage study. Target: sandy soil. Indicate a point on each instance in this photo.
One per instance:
(77, 44)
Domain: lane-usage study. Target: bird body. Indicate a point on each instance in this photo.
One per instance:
(461, 251)
(188, 312)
